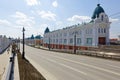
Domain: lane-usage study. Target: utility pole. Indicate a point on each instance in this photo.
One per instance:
(23, 53)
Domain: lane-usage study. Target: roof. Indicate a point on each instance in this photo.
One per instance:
(47, 30)
(97, 11)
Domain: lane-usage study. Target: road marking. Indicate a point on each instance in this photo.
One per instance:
(95, 67)
(45, 73)
(67, 66)
(114, 66)
(73, 69)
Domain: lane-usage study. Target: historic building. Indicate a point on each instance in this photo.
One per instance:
(91, 34)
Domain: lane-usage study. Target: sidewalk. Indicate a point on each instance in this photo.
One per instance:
(4, 64)
(4, 60)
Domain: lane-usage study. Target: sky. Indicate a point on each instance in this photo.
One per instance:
(36, 15)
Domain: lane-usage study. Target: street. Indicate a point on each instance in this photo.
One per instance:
(61, 66)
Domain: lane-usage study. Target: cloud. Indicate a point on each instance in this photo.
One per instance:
(113, 20)
(77, 18)
(4, 22)
(32, 2)
(23, 20)
(47, 15)
(55, 4)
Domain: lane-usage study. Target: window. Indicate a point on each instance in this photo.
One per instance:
(60, 34)
(71, 40)
(102, 18)
(98, 30)
(101, 30)
(89, 41)
(89, 31)
(65, 41)
(65, 34)
(104, 30)
(60, 41)
(86, 31)
(78, 40)
(56, 40)
(80, 32)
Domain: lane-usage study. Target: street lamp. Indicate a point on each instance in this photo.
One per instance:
(23, 53)
(75, 41)
(49, 44)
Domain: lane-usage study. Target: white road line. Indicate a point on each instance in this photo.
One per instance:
(44, 72)
(76, 70)
(73, 69)
(114, 66)
(88, 65)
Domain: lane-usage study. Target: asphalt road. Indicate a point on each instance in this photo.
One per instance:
(62, 66)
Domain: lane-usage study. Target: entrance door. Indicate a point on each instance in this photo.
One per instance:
(102, 40)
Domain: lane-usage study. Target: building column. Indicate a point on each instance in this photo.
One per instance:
(95, 36)
(83, 37)
(107, 36)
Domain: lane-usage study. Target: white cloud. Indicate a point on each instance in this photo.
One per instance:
(59, 23)
(114, 20)
(77, 18)
(32, 2)
(23, 20)
(47, 15)
(55, 4)
(4, 22)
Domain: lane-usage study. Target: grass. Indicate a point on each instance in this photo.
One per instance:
(27, 71)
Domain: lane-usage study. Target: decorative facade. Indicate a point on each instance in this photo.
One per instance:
(89, 34)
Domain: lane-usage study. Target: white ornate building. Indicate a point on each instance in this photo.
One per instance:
(89, 34)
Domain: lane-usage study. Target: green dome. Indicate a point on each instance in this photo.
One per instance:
(97, 11)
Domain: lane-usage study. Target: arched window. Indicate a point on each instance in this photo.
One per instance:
(104, 30)
(98, 30)
(102, 17)
(101, 30)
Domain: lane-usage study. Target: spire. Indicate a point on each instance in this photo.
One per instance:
(47, 30)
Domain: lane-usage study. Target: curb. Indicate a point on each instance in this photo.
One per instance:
(16, 69)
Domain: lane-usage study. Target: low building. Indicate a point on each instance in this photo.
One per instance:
(34, 40)
(91, 34)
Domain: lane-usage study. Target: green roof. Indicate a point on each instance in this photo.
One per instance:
(97, 11)
(47, 30)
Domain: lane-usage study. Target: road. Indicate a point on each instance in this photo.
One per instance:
(61, 66)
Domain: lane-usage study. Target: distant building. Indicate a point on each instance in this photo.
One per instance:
(33, 40)
(94, 33)
(4, 43)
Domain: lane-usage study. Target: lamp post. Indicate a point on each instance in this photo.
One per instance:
(23, 53)
(49, 44)
(75, 41)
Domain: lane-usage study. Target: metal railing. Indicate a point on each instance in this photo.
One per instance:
(10, 69)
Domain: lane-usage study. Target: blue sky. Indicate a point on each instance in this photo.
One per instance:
(36, 15)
